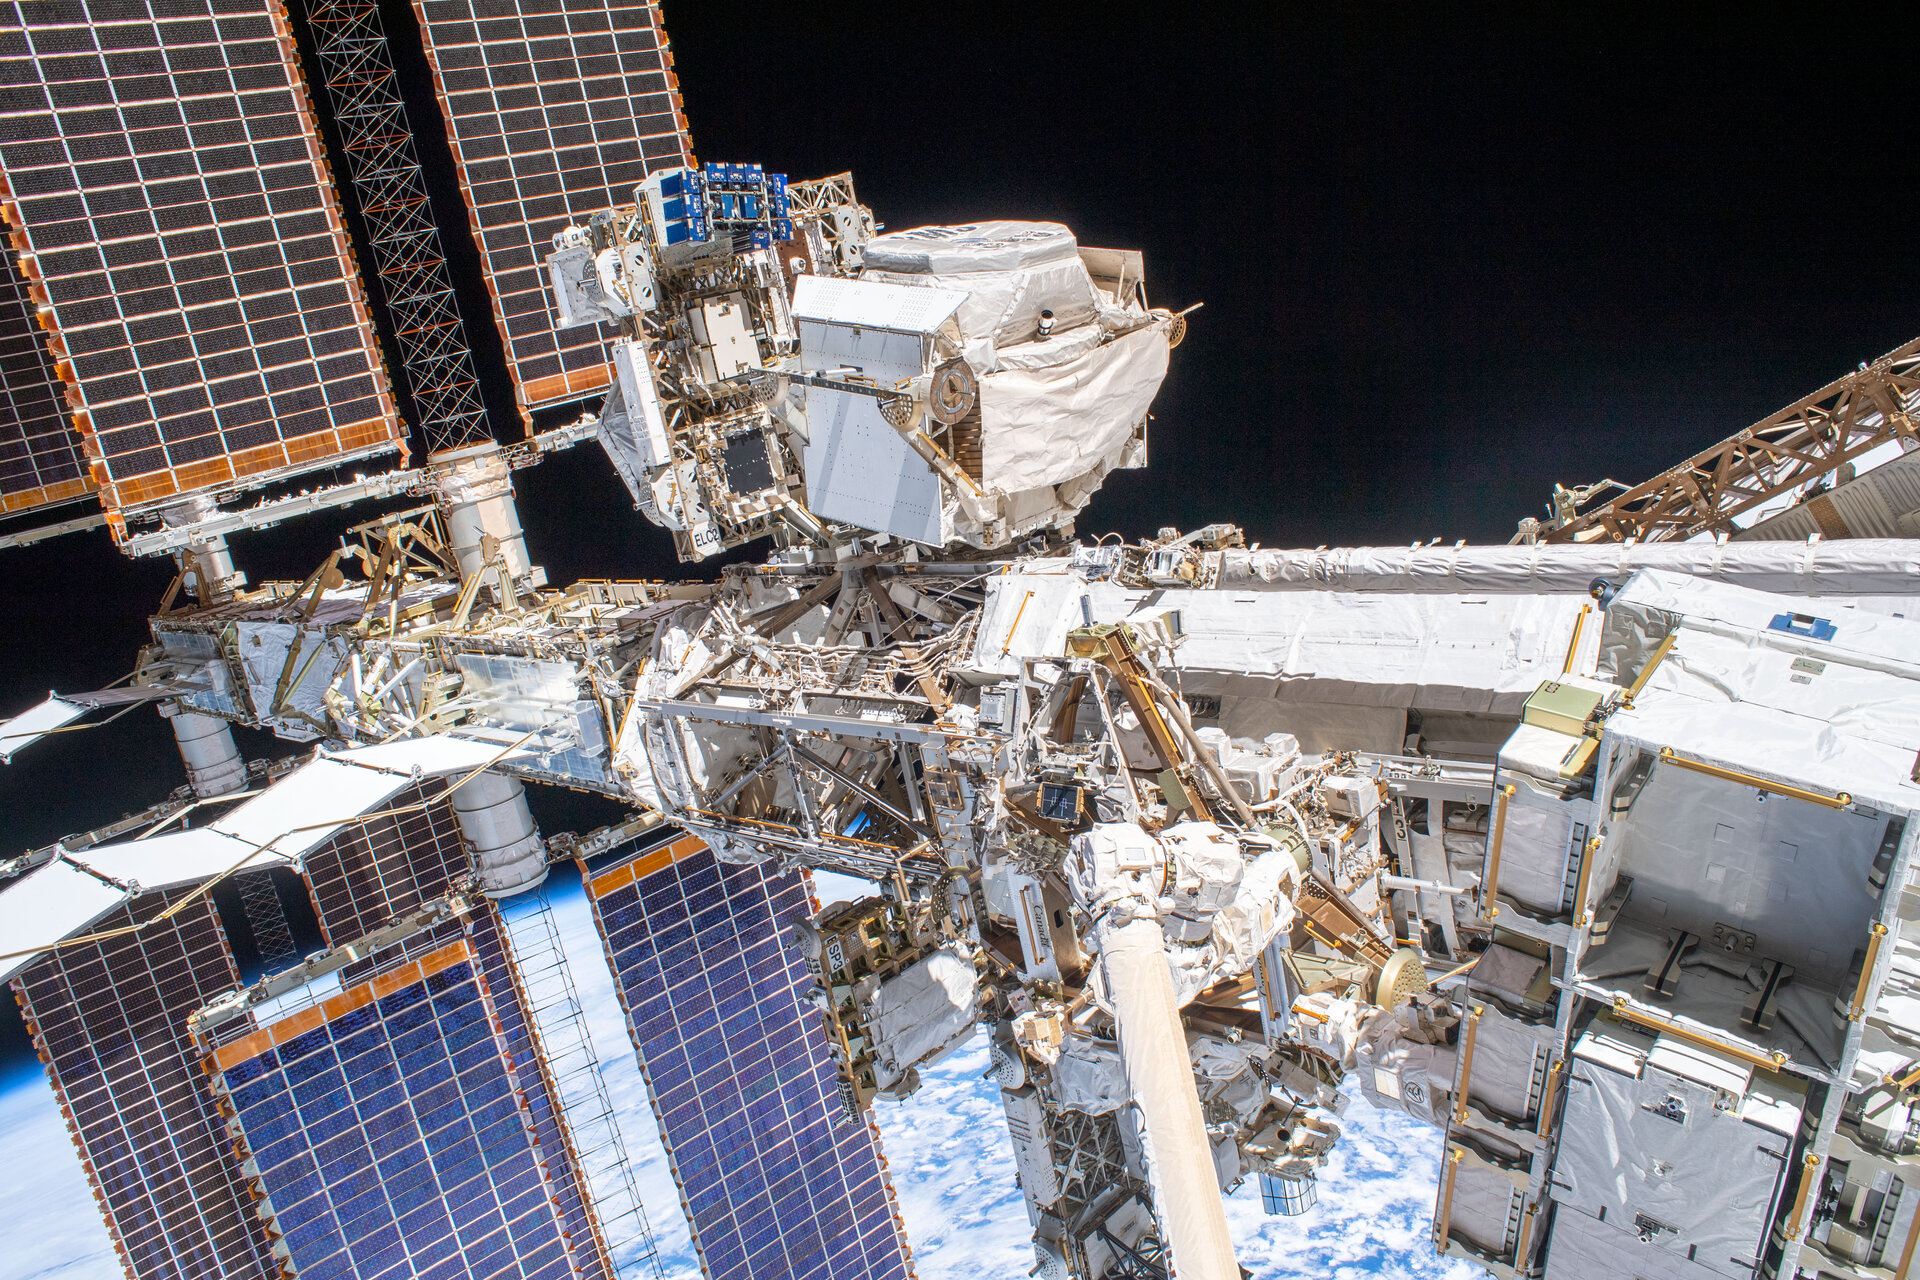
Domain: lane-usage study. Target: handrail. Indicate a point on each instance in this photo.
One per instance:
(1489, 891)
(1772, 1061)
(1838, 800)
(1582, 914)
(1466, 1064)
(1859, 1006)
(1443, 1212)
(1808, 1165)
(1573, 645)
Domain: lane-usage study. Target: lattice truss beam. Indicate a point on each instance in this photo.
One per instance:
(1802, 442)
(384, 167)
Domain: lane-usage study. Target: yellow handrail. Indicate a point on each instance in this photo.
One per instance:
(1443, 1212)
(1573, 645)
(1773, 1061)
(1809, 1164)
(1838, 800)
(1490, 890)
(1466, 1064)
(1866, 972)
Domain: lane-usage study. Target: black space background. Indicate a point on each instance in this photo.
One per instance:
(1450, 254)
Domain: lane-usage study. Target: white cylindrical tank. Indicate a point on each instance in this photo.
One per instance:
(476, 493)
(508, 855)
(207, 748)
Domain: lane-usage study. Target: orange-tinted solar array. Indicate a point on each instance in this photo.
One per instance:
(170, 204)
(556, 110)
(40, 460)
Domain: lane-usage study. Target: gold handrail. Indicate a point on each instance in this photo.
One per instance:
(1646, 672)
(1443, 1212)
(1866, 972)
(1582, 914)
(1838, 800)
(1546, 1099)
(1466, 1064)
(1772, 1061)
(1809, 1164)
(1573, 645)
(1490, 890)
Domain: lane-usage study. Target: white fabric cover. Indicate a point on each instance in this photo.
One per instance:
(46, 905)
(36, 723)
(1869, 567)
(1658, 1145)
(869, 304)
(1088, 1078)
(1048, 425)
(861, 471)
(925, 1011)
(1010, 272)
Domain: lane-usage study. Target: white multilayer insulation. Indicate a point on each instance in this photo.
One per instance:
(1880, 569)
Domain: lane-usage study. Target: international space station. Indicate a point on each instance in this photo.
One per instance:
(1593, 851)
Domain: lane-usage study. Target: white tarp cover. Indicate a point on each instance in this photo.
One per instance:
(1010, 272)
(35, 723)
(1719, 606)
(300, 713)
(868, 304)
(861, 471)
(1869, 567)
(1501, 1080)
(1702, 850)
(1482, 1207)
(1087, 1078)
(925, 1010)
(46, 905)
(1660, 1146)
(1048, 425)
(1584, 1248)
(1439, 652)
(1840, 715)
(1536, 844)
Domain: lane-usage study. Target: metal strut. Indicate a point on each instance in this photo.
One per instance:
(409, 263)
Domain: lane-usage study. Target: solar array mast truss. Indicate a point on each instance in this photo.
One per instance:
(409, 262)
(1808, 439)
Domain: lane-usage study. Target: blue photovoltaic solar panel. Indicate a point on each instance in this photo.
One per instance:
(776, 1186)
(388, 866)
(390, 1136)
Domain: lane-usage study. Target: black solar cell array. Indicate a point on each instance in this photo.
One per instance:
(109, 1020)
(169, 200)
(556, 110)
(775, 1182)
(389, 1136)
(40, 458)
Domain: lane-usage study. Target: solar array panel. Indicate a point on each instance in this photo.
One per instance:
(390, 865)
(40, 460)
(775, 1183)
(169, 199)
(556, 110)
(387, 865)
(109, 1020)
(388, 1135)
